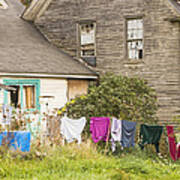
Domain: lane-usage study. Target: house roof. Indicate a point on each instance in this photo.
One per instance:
(23, 49)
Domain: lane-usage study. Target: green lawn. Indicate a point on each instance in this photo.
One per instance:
(85, 162)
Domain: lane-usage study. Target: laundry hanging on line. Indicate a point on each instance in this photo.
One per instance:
(116, 133)
(173, 149)
(128, 133)
(71, 129)
(122, 132)
(100, 128)
(150, 134)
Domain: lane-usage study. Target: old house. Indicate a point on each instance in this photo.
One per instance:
(135, 38)
(40, 73)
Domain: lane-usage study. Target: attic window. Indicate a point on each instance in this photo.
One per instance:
(87, 39)
(3, 4)
(135, 38)
(87, 42)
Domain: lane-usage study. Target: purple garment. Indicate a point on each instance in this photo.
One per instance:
(99, 128)
(116, 133)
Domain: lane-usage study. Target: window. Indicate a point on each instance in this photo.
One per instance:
(3, 4)
(26, 94)
(29, 97)
(135, 38)
(14, 97)
(87, 41)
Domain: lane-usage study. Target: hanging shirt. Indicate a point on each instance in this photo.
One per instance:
(100, 128)
(172, 142)
(150, 135)
(71, 129)
(128, 133)
(116, 133)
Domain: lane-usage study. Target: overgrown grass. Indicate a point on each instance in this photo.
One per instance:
(85, 162)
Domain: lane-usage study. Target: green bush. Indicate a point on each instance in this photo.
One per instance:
(118, 96)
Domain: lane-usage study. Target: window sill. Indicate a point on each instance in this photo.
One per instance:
(132, 62)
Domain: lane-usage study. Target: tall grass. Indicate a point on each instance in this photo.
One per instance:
(73, 162)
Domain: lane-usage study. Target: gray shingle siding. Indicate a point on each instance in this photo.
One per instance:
(160, 65)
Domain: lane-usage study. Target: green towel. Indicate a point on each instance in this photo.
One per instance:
(150, 135)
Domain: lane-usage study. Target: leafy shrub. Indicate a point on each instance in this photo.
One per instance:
(116, 96)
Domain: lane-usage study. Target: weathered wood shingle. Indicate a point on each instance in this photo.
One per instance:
(160, 64)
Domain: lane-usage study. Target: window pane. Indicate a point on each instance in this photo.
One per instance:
(87, 39)
(87, 34)
(15, 97)
(135, 50)
(87, 52)
(139, 34)
(135, 38)
(135, 29)
(140, 24)
(140, 45)
(130, 34)
(29, 97)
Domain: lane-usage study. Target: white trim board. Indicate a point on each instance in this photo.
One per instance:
(50, 75)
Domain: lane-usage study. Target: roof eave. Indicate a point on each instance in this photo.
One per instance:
(46, 75)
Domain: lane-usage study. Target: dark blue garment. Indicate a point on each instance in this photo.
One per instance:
(128, 133)
(18, 140)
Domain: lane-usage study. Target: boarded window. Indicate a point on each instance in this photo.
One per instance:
(29, 97)
(135, 38)
(77, 88)
(87, 39)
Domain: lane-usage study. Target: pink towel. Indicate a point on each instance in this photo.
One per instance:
(100, 128)
(172, 143)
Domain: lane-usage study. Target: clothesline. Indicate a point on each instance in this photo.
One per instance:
(121, 131)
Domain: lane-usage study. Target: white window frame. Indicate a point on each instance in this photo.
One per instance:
(135, 45)
(87, 46)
